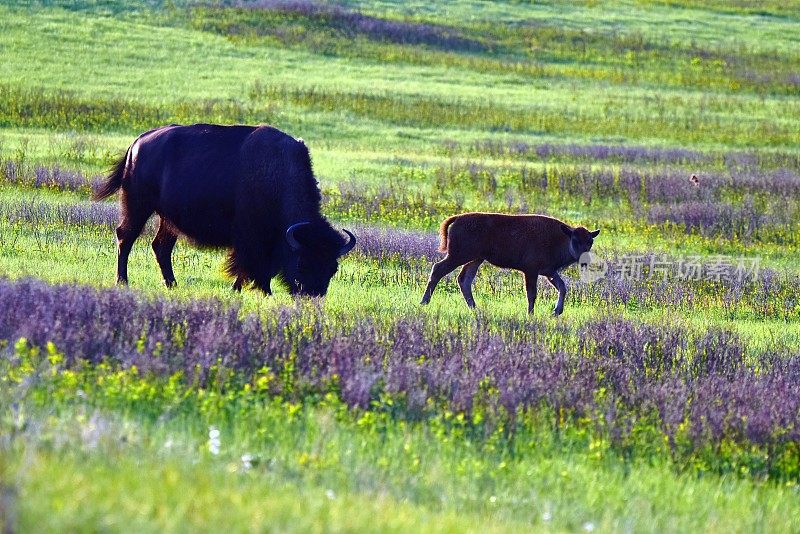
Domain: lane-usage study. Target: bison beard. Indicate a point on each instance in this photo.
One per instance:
(250, 189)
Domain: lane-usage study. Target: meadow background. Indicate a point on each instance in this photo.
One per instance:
(653, 404)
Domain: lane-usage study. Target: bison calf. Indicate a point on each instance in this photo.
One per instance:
(534, 244)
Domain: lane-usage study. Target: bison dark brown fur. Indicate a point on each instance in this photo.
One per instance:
(537, 245)
(250, 189)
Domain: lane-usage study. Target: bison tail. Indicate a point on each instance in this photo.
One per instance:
(113, 181)
(443, 232)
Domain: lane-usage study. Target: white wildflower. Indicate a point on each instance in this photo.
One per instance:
(214, 441)
(247, 461)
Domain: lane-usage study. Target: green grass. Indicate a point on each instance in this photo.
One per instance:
(364, 286)
(393, 130)
(86, 450)
(202, 67)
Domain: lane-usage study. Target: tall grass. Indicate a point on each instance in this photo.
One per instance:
(534, 50)
(650, 119)
(691, 391)
(65, 110)
(21, 107)
(747, 204)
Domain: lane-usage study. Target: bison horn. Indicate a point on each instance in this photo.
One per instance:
(349, 245)
(293, 242)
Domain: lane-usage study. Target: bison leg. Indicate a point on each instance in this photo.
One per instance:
(263, 283)
(465, 279)
(163, 244)
(233, 268)
(240, 281)
(127, 232)
(557, 282)
(249, 262)
(531, 279)
(440, 270)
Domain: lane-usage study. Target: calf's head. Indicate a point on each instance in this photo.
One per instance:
(313, 258)
(580, 240)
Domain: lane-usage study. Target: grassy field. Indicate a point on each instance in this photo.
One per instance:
(655, 403)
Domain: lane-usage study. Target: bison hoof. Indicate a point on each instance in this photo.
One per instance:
(170, 284)
(557, 312)
(122, 282)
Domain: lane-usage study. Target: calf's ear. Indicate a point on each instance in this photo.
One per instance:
(566, 229)
(595, 233)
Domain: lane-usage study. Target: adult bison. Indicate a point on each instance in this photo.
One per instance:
(534, 244)
(249, 189)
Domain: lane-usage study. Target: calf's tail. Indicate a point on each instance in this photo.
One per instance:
(443, 232)
(114, 179)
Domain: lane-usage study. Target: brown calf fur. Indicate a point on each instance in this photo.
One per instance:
(537, 245)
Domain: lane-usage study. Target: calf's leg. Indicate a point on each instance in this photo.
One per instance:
(465, 279)
(531, 280)
(557, 282)
(163, 244)
(440, 269)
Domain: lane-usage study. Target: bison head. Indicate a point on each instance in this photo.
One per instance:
(315, 249)
(580, 240)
